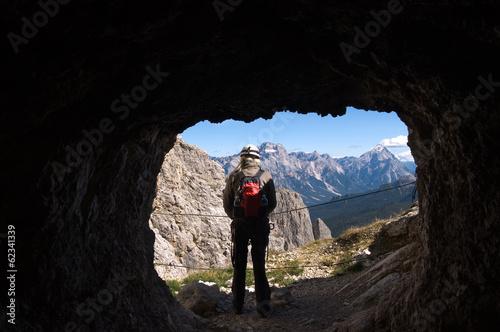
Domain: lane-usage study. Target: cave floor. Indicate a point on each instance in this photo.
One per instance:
(324, 299)
(315, 306)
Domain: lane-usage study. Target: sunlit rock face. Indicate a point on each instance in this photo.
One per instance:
(188, 193)
(95, 93)
(188, 219)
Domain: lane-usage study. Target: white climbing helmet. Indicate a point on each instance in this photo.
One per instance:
(250, 149)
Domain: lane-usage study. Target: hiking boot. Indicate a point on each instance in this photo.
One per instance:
(265, 310)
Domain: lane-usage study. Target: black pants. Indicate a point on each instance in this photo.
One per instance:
(257, 231)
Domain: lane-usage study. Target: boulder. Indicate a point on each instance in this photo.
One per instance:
(362, 256)
(199, 297)
(320, 230)
(397, 232)
(280, 297)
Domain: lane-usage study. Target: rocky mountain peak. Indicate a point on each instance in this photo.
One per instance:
(378, 151)
(271, 146)
(272, 150)
(379, 147)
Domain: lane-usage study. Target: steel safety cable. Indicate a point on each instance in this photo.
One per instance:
(291, 210)
(274, 267)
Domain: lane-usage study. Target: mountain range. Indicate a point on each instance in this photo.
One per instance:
(356, 210)
(319, 177)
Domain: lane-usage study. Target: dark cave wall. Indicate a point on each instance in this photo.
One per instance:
(95, 248)
(84, 232)
(96, 266)
(454, 287)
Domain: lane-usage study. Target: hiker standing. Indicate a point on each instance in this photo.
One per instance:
(248, 199)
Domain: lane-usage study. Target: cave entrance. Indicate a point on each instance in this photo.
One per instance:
(189, 222)
(436, 66)
(327, 144)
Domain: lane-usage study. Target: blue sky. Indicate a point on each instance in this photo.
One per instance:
(349, 135)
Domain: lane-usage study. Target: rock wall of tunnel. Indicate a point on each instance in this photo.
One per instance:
(96, 95)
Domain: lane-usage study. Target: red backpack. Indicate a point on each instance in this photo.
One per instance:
(249, 200)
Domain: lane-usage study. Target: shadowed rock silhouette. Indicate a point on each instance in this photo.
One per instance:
(96, 95)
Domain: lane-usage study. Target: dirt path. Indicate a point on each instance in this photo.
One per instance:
(356, 300)
(314, 307)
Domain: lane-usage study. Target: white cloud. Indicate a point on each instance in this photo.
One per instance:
(399, 141)
(405, 156)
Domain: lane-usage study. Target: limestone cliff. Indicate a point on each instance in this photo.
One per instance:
(292, 227)
(189, 185)
(188, 218)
